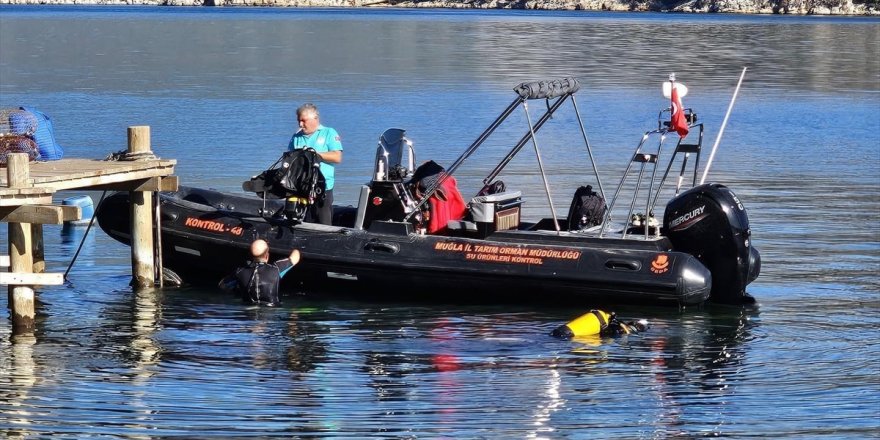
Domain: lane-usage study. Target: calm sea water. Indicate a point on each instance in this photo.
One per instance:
(219, 88)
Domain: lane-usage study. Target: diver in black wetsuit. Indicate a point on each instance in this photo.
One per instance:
(259, 281)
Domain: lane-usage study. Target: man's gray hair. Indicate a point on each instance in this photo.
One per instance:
(307, 107)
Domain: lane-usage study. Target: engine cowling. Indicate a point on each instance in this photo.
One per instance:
(710, 223)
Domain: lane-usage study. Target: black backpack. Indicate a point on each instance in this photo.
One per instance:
(296, 173)
(587, 209)
(299, 173)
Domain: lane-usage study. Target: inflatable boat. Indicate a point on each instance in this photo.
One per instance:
(412, 232)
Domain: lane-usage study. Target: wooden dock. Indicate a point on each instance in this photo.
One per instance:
(46, 178)
(26, 191)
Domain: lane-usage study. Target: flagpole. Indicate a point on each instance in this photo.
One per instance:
(723, 124)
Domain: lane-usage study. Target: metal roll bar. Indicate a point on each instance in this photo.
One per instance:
(560, 90)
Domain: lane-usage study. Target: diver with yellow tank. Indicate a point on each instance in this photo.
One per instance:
(598, 322)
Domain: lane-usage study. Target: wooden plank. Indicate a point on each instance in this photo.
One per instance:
(88, 182)
(128, 185)
(74, 164)
(4, 260)
(31, 279)
(26, 191)
(40, 214)
(66, 174)
(16, 200)
(169, 183)
(87, 171)
(69, 169)
(4, 184)
(77, 168)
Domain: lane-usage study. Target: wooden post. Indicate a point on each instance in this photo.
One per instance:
(160, 276)
(39, 255)
(21, 298)
(142, 266)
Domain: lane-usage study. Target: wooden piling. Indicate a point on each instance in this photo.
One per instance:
(142, 265)
(21, 297)
(26, 192)
(39, 253)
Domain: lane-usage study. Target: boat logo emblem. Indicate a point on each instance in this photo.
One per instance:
(377, 201)
(688, 219)
(660, 264)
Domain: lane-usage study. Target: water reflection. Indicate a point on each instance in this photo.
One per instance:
(305, 348)
(145, 351)
(21, 374)
(391, 367)
(707, 354)
(682, 366)
(280, 339)
(550, 401)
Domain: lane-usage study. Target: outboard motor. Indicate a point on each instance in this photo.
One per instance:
(710, 223)
(389, 198)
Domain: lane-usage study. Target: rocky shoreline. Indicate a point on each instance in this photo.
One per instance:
(793, 7)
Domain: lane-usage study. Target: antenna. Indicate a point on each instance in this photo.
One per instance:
(723, 124)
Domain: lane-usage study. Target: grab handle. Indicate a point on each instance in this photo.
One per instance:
(378, 246)
(633, 265)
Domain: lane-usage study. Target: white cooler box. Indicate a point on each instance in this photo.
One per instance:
(496, 212)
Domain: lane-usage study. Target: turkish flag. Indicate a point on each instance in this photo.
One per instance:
(678, 123)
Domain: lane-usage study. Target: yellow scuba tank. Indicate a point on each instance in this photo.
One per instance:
(590, 323)
(598, 322)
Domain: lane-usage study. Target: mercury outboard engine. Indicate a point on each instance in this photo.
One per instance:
(710, 223)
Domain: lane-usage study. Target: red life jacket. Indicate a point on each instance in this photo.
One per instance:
(446, 204)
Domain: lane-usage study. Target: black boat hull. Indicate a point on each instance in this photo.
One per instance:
(206, 234)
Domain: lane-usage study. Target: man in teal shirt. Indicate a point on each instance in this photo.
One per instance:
(325, 141)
